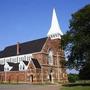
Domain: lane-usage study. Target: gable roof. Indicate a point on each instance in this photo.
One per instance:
(26, 62)
(11, 63)
(15, 66)
(36, 63)
(24, 48)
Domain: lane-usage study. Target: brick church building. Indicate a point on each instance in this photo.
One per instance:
(36, 61)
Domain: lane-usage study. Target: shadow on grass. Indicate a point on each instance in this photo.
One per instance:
(76, 84)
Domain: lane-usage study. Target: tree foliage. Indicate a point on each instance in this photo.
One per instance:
(76, 42)
(84, 73)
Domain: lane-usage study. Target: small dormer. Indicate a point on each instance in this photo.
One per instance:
(7, 66)
(23, 65)
(55, 30)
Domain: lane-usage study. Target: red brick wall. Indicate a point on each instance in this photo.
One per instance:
(55, 45)
(33, 75)
(13, 76)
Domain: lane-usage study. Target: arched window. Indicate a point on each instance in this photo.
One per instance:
(50, 57)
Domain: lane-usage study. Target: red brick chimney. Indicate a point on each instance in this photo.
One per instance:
(18, 48)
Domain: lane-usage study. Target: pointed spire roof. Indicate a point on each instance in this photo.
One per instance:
(55, 30)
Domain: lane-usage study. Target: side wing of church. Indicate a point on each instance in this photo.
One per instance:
(36, 61)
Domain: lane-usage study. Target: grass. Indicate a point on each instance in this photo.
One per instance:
(75, 88)
(80, 85)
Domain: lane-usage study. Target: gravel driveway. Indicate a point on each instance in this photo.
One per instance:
(29, 87)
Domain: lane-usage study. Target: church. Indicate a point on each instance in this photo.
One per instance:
(36, 61)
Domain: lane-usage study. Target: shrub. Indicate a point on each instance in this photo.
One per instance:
(73, 77)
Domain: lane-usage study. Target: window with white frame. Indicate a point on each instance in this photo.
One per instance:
(50, 57)
(20, 67)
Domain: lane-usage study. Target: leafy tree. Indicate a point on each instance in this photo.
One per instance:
(84, 73)
(76, 42)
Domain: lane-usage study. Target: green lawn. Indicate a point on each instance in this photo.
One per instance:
(76, 88)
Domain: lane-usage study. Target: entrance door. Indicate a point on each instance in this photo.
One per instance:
(50, 77)
(31, 78)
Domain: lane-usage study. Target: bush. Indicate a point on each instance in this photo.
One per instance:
(73, 77)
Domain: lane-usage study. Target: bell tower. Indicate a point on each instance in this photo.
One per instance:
(55, 30)
(54, 35)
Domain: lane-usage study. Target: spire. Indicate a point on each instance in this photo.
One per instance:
(55, 31)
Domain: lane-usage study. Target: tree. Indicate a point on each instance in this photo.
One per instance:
(84, 73)
(76, 41)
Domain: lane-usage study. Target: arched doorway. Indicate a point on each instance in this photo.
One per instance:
(31, 78)
(51, 75)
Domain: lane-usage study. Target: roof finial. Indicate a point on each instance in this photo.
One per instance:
(55, 31)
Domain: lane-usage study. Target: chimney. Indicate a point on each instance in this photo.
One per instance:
(18, 48)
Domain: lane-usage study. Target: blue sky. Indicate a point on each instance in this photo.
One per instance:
(24, 20)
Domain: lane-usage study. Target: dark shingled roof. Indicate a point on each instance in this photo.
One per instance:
(36, 63)
(26, 62)
(10, 63)
(1, 67)
(24, 48)
(15, 66)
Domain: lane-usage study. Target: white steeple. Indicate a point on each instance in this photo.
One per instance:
(55, 31)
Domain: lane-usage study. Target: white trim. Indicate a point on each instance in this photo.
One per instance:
(14, 58)
(44, 44)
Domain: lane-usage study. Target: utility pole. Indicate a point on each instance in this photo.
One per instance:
(5, 70)
(5, 75)
(25, 76)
